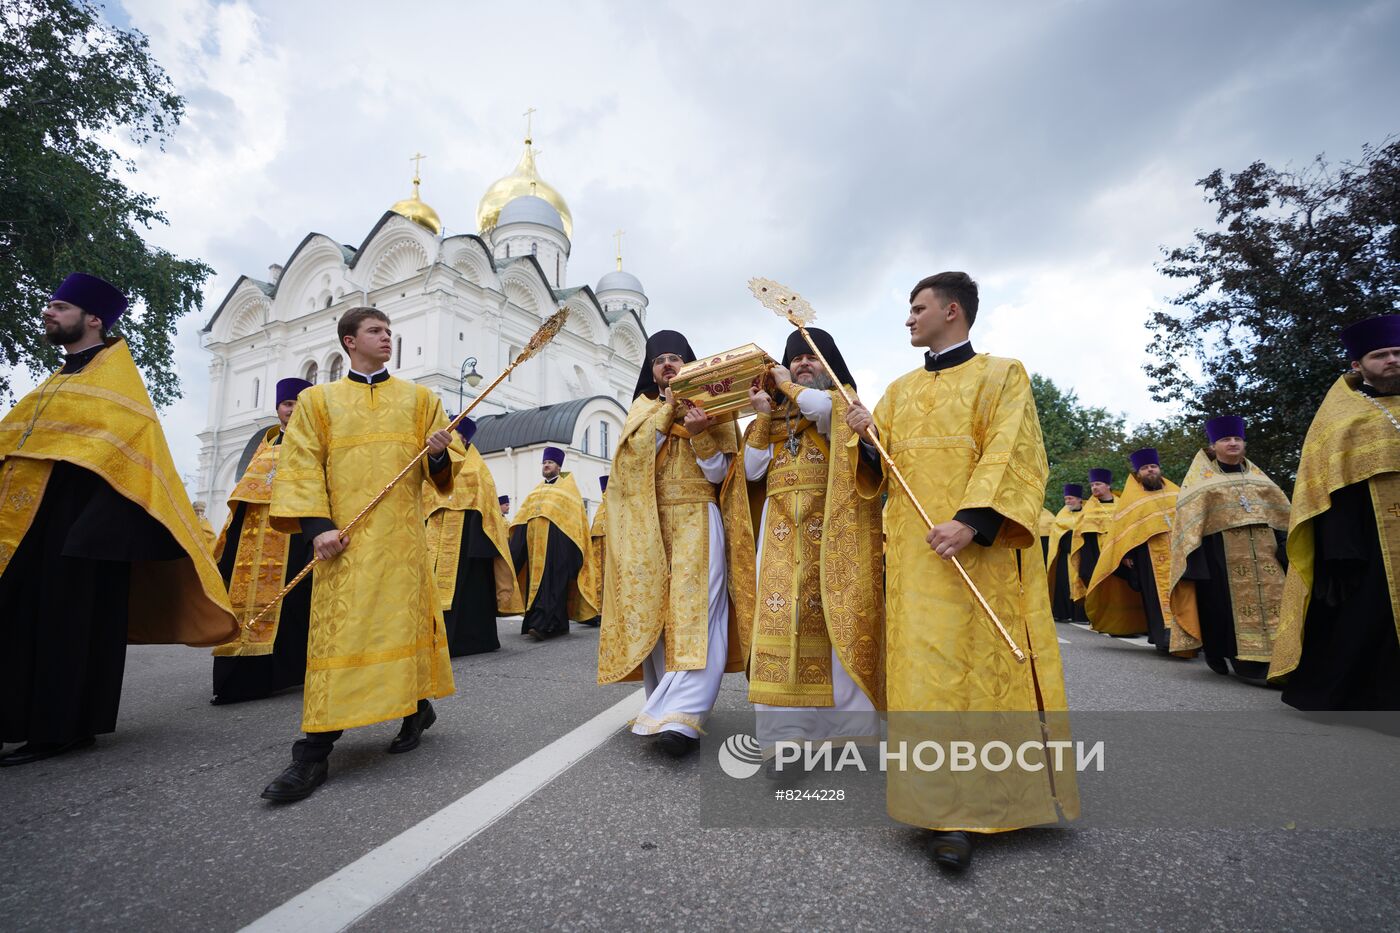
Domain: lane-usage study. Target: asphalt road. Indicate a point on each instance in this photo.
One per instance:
(160, 827)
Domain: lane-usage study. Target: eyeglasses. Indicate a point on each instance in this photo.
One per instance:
(667, 358)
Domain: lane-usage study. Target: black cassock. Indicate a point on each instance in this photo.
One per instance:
(255, 676)
(1206, 565)
(1351, 656)
(63, 609)
(1064, 609)
(549, 614)
(471, 621)
(1143, 578)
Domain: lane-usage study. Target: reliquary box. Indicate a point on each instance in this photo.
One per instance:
(720, 383)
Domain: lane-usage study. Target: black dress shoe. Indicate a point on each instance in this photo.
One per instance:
(676, 744)
(952, 850)
(534, 635)
(31, 752)
(411, 733)
(593, 622)
(296, 782)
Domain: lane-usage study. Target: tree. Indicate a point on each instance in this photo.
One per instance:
(1296, 256)
(68, 81)
(1076, 437)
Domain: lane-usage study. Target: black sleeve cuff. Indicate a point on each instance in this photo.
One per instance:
(985, 524)
(311, 527)
(439, 462)
(870, 457)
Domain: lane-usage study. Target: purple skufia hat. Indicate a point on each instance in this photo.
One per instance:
(1074, 489)
(603, 483)
(503, 500)
(1374, 334)
(555, 454)
(1100, 475)
(288, 389)
(1224, 426)
(467, 428)
(1141, 458)
(95, 296)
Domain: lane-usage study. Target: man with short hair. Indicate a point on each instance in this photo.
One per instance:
(256, 561)
(1063, 605)
(377, 649)
(469, 546)
(1336, 647)
(549, 539)
(1137, 550)
(680, 559)
(99, 545)
(1228, 539)
(963, 431)
(504, 503)
(817, 651)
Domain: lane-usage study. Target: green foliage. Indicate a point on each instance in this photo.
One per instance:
(1296, 256)
(69, 82)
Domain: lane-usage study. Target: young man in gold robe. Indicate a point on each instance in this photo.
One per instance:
(1116, 608)
(1063, 606)
(377, 649)
(469, 546)
(255, 562)
(598, 536)
(1227, 539)
(817, 650)
(99, 545)
(1137, 550)
(1337, 645)
(963, 431)
(549, 544)
(678, 593)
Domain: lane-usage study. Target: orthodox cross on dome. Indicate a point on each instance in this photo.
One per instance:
(617, 235)
(528, 134)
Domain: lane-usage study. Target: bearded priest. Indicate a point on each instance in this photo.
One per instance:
(679, 582)
(549, 543)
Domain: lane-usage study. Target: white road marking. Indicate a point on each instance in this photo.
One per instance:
(346, 896)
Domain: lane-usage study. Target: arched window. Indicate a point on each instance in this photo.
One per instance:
(558, 268)
(309, 372)
(603, 440)
(337, 369)
(586, 433)
(507, 250)
(534, 249)
(398, 353)
(257, 390)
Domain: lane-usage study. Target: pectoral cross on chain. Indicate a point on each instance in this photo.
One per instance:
(1244, 503)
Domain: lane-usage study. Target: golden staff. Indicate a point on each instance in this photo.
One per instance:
(547, 332)
(787, 303)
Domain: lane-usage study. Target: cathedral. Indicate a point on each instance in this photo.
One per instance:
(462, 307)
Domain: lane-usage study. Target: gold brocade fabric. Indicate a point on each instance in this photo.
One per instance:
(1349, 441)
(559, 503)
(473, 489)
(1065, 520)
(1094, 518)
(1142, 517)
(1245, 509)
(1047, 522)
(101, 419)
(377, 644)
(967, 437)
(658, 504)
(598, 534)
(260, 556)
(820, 571)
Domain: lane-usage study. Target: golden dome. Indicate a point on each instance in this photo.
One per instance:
(415, 210)
(525, 180)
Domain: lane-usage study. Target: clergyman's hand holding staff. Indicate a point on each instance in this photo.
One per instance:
(547, 332)
(798, 311)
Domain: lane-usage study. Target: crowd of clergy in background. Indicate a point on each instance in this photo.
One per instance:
(853, 562)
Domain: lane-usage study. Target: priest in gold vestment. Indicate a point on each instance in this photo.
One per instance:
(255, 562)
(550, 545)
(377, 649)
(679, 581)
(964, 433)
(1116, 608)
(1338, 643)
(1227, 539)
(1063, 606)
(1137, 550)
(99, 546)
(469, 546)
(598, 536)
(817, 649)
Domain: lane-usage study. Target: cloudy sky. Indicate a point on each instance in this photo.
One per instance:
(846, 149)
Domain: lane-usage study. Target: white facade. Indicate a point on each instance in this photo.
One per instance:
(447, 298)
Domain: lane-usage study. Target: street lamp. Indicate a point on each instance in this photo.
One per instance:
(472, 378)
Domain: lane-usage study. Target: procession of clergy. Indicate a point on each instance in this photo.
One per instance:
(854, 563)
